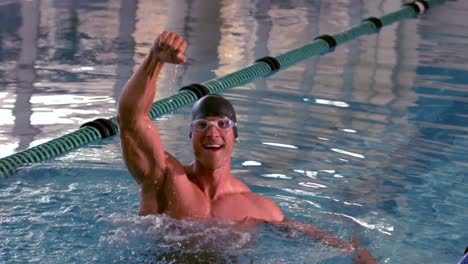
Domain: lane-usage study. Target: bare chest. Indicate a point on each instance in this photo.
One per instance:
(194, 204)
(237, 207)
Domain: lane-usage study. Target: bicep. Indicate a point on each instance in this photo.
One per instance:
(142, 150)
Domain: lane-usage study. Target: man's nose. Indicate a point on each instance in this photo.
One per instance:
(212, 131)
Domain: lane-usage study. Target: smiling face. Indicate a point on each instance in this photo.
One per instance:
(212, 147)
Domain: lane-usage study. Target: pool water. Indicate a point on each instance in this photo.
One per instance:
(367, 141)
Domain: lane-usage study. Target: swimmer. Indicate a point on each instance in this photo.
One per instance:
(204, 189)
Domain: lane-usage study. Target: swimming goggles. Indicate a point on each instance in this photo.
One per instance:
(223, 124)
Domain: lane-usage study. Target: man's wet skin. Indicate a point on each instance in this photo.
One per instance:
(204, 189)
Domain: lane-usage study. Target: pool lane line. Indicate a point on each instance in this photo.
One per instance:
(264, 67)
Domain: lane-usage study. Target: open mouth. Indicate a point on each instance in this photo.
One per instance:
(213, 147)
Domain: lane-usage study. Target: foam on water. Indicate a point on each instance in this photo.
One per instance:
(161, 239)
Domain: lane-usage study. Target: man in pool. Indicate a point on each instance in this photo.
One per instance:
(204, 189)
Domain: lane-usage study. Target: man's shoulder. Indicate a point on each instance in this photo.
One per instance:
(247, 204)
(257, 198)
(247, 196)
(269, 209)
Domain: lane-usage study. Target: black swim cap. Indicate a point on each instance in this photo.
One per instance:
(214, 105)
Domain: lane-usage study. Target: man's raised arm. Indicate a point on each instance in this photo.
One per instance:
(143, 151)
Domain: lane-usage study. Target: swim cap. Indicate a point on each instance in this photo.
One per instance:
(214, 105)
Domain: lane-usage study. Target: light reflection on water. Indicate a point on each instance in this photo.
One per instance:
(368, 140)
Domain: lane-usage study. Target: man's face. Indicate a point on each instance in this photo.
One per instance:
(212, 147)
